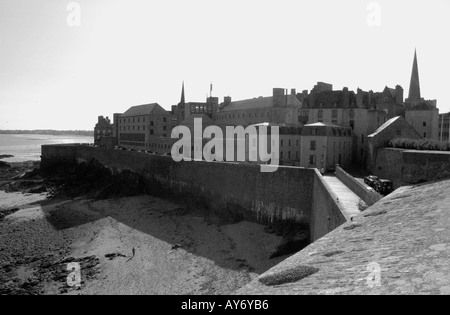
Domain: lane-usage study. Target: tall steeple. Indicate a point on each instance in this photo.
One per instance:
(182, 95)
(414, 86)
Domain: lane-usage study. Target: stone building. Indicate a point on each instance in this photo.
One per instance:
(422, 114)
(325, 145)
(281, 108)
(103, 132)
(184, 109)
(394, 128)
(362, 111)
(145, 127)
(444, 127)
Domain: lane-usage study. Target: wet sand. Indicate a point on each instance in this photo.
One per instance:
(176, 251)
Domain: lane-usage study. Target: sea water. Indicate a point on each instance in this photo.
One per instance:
(27, 147)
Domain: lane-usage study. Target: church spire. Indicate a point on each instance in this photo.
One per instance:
(182, 95)
(414, 86)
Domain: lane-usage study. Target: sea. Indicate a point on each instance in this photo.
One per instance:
(27, 147)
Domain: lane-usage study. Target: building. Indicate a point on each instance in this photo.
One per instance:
(325, 145)
(281, 108)
(422, 114)
(145, 127)
(184, 110)
(362, 111)
(394, 128)
(444, 127)
(103, 132)
(289, 144)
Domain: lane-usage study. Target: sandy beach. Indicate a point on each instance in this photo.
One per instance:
(176, 251)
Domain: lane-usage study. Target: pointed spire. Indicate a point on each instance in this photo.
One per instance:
(414, 86)
(182, 95)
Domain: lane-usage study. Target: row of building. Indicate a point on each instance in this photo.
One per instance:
(318, 128)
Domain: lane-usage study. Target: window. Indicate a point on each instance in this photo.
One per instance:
(320, 114)
(289, 155)
(289, 142)
(151, 131)
(164, 119)
(399, 133)
(352, 114)
(281, 142)
(312, 146)
(314, 132)
(152, 123)
(139, 120)
(296, 143)
(312, 160)
(424, 134)
(138, 128)
(334, 113)
(362, 138)
(352, 124)
(164, 128)
(424, 123)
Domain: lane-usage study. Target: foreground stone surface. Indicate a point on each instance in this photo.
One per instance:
(401, 245)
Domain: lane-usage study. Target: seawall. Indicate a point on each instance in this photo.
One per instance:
(369, 195)
(405, 167)
(289, 194)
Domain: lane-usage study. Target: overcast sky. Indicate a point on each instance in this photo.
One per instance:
(57, 75)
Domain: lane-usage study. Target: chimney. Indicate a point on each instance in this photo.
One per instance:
(227, 100)
(346, 97)
(278, 97)
(399, 95)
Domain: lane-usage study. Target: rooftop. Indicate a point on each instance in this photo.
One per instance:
(140, 110)
(260, 102)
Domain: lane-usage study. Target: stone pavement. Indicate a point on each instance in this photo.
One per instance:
(347, 198)
(401, 245)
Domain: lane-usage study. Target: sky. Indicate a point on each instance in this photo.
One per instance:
(64, 63)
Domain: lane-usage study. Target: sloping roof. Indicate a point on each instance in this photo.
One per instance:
(385, 125)
(140, 110)
(321, 124)
(260, 102)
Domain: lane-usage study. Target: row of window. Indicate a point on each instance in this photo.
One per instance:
(290, 155)
(201, 109)
(158, 145)
(138, 128)
(104, 132)
(137, 119)
(250, 115)
(289, 143)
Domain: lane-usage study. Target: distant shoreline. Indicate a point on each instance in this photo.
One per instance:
(49, 132)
